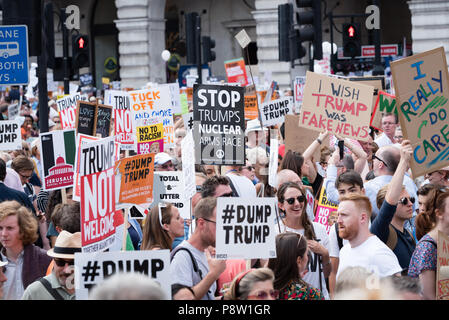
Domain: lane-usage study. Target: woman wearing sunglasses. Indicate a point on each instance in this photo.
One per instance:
(292, 204)
(289, 267)
(253, 284)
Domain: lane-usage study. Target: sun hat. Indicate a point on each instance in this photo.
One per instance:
(254, 125)
(66, 245)
(162, 158)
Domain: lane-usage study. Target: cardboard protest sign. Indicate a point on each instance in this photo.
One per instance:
(188, 165)
(251, 110)
(93, 269)
(326, 211)
(10, 135)
(82, 139)
(298, 89)
(98, 195)
(13, 111)
(168, 186)
(219, 124)
(274, 111)
(121, 104)
(57, 150)
(245, 228)
(103, 121)
(422, 92)
(150, 138)
(136, 179)
(339, 106)
(385, 103)
(442, 267)
(236, 71)
(67, 109)
(85, 118)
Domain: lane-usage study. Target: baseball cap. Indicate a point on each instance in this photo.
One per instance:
(162, 158)
(254, 125)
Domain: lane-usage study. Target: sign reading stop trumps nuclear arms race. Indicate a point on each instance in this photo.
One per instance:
(339, 106)
(219, 124)
(421, 84)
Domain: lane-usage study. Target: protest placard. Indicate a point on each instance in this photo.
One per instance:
(188, 165)
(67, 109)
(251, 110)
(58, 149)
(136, 180)
(13, 111)
(93, 269)
(274, 111)
(236, 71)
(385, 103)
(273, 164)
(298, 88)
(82, 139)
(245, 228)
(97, 195)
(121, 104)
(187, 118)
(103, 121)
(150, 138)
(85, 118)
(168, 186)
(422, 92)
(442, 267)
(219, 124)
(339, 106)
(175, 99)
(326, 211)
(10, 135)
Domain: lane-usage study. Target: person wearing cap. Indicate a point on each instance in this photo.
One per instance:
(2, 276)
(256, 135)
(439, 177)
(59, 285)
(163, 162)
(26, 262)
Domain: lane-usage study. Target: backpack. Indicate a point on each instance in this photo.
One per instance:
(392, 240)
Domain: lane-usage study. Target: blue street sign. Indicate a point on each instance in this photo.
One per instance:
(14, 55)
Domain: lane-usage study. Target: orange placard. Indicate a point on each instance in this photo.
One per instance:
(236, 71)
(251, 111)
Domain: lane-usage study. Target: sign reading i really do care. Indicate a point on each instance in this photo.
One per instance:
(421, 84)
(219, 124)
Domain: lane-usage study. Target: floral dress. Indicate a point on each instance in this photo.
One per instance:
(300, 291)
(424, 257)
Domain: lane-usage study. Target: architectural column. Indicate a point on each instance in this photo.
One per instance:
(430, 25)
(156, 40)
(266, 17)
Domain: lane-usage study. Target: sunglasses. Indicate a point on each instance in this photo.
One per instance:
(300, 199)
(227, 195)
(405, 200)
(166, 166)
(376, 157)
(263, 295)
(62, 262)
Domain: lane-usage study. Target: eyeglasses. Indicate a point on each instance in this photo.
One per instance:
(24, 176)
(263, 295)
(300, 199)
(227, 195)
(209, 220)
(404, 201)
(63, 262)
(249, 168)
(376, 157)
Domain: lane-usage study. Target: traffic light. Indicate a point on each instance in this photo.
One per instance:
(49, 33)
(310, 29)
(351, 40)
(190, 24)
(208, 45)
(285, 21)
(80, 51)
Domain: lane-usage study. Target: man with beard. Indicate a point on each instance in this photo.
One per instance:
(59, 285)
(364, 249)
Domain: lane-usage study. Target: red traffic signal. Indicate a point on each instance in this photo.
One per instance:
(81, 42)
(80, 51)
(351, 32)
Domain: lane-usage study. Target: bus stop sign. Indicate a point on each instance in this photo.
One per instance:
(14, 55)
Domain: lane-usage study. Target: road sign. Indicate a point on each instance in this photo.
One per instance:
(14, 55)
(386, 50)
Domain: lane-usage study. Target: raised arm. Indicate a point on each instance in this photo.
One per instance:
(395, 188)
(315, 145)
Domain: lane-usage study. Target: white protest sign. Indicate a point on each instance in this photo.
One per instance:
(273, 166)
(93, 269)
(246, 228)
(273, 112)
(10, 135)
(98, 195)
(168, 186)
(299, 85)
(13, 111)
(243, 38)
(187, 118)
(174, 96)
(188, 165)
(67, 109)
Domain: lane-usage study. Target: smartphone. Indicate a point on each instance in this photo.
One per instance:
(341, 147)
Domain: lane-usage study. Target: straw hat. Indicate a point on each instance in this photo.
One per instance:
(66, 245)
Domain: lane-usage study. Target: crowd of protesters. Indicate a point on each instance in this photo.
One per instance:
(386, 229)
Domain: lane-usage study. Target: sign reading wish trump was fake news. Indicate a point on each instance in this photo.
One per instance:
(422, 91)
(339, 106)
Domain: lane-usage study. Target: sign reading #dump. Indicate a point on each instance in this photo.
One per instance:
(14, 55)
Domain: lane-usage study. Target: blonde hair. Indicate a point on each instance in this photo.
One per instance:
(257, 155)
(243, 283)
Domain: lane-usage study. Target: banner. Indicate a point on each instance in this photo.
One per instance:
(422, 91)
(98, 195)
(82, 140)
(385, 103)
(67, 109)
(10, 135)
(273, 165)
(236, 71)
(57, 150)
(339, 106)
(93, 269)
(245, 228)
(169, 187)
(150, 138)
(274, 111)
(326, 211)
(443, 267)
(219, 124)
(136, 179)
(298, 89)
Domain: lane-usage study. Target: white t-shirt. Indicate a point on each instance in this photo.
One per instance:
(373, 254)
(383, 140)
(244, 186)
(334, 249)
(313, 276)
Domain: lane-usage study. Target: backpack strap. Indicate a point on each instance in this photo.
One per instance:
(55, 294)
(392, 240)
(234, 190)
(194, 263)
